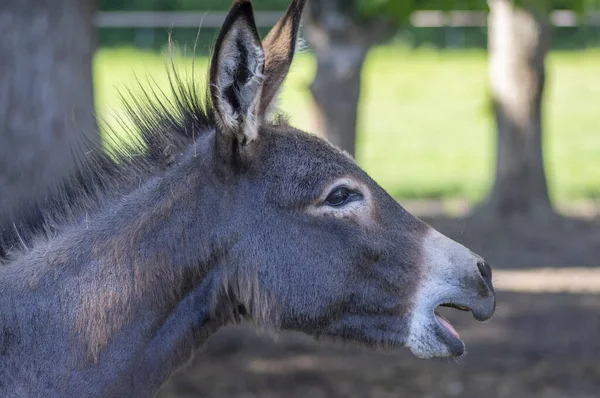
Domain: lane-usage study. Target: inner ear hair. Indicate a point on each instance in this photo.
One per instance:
(237, 75)
(280, 47)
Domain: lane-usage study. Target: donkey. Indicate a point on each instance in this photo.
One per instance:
(217, 213)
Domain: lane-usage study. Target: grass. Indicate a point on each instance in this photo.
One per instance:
(425, 128)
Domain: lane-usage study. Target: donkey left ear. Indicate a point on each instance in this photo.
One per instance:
(280, 47)
(236, 75)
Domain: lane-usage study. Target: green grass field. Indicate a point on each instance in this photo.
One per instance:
(425, 126)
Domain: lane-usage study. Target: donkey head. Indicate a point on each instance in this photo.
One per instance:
(335, 254)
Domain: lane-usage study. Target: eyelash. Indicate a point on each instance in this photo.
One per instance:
(344, 195)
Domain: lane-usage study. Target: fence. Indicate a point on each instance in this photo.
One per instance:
(455, 24)
(430, 19)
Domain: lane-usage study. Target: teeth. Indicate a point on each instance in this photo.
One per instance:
(456, 307)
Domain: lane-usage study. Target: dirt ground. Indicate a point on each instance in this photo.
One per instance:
(544, 340)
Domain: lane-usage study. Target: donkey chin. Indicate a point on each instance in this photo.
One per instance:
(453, 277)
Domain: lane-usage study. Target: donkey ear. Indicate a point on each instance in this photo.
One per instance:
(236, 75)
(280, 46)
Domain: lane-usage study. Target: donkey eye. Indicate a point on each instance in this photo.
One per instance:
(341, 195)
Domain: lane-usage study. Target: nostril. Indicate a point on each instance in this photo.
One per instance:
(485, 270)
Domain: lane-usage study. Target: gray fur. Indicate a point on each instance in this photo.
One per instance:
(133, 264)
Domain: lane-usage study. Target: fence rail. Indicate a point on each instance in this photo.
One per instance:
(151, 19)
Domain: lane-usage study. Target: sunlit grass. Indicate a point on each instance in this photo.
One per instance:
(425, 127)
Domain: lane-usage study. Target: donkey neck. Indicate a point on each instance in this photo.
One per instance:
(124, 297)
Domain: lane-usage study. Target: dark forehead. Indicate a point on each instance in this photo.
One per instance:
(298, 153)
(300, 166)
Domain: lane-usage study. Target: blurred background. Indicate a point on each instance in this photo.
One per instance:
(482, 117)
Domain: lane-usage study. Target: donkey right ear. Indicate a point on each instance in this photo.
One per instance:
(236, 75)
(280, 47)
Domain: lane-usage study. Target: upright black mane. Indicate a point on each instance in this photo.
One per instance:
(158, 129)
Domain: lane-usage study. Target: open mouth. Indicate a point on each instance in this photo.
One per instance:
(448, 333)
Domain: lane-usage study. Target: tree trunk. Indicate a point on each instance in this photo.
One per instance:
(336, 92)
(518, 42)
(341, 44)
(46, 96)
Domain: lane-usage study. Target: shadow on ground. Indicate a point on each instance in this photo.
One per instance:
(538, 345)
(542, 345)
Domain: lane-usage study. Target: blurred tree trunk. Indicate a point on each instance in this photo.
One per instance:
(46, 96)
(341, 43)
(519, 38)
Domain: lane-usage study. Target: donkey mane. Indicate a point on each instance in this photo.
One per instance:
(159, 126)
